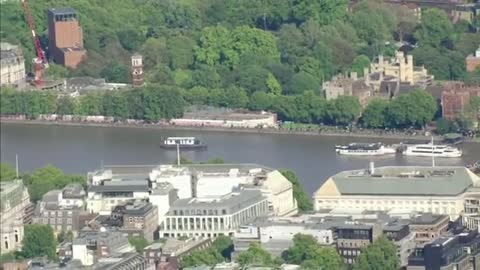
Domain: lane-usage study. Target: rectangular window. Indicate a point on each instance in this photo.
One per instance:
(59, 214)
(69, 221)
(52, 221)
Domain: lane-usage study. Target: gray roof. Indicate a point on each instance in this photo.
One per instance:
(231, 202)
(427, 219)
(121, 186)
(405, 180)
(61, 11)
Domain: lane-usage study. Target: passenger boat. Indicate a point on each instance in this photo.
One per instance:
(431, 150)
(183, 143)
(364, 149)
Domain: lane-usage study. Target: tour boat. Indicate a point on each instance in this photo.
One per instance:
(431, 150)
(183, 143)
(364, 149)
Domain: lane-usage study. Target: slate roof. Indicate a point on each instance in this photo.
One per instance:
(439, 181)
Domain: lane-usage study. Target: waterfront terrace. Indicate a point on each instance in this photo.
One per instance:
(438, 190)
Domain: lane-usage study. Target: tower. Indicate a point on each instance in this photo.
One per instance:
(137, 70)
(65, 37)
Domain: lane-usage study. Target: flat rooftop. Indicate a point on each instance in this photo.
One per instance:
(121, 186)
(405, 180)
(62, 11)
(231, 202)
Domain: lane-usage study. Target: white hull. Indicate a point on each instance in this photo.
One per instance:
(440, 155)
(379, 152)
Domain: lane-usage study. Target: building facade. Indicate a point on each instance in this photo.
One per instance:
(438, 190)
(213, 216)
(473, 60)
(137, 70)
(61, 209)
(65, 37)
(455, 98)
(12, 65)
(428, 227)
(351, 239)
(13, 200)
(142, 217)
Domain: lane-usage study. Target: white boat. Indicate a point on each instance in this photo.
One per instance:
(431, 150)
(182, 142)
(364, 149)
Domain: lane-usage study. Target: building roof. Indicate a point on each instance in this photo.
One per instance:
(11, 193)
(232, 202)
(401, 180)
(138, 208)
(428, 219)
(61, 10)
(121, 186)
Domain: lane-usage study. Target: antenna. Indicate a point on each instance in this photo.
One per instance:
(433, 155)
(16, 165)
(178, 154)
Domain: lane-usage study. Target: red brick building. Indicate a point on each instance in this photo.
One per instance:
(473, 61)
(455, 96)
(65, 37)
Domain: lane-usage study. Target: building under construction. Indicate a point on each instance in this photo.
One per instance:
(65, 37)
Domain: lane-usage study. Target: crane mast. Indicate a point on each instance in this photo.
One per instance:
(39, 62)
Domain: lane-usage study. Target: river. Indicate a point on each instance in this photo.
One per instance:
(82, 149)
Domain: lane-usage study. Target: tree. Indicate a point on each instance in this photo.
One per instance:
(307, 252)
(7, 172)
(303, 199)
(260, 100)
(197, 95)
(235, 97)
(302, 82)
(382, 254)
(139, 242)
(374, 115)
(348, 108)
(162, 102)
(322, 11)
(209, 256)
(254, 255)
(56, 72)
(223, 244)
(39, 241)
(180, 51)
(435, 28)
(116, 72)
(273, 85)
(65, 105)
(414, 109)
(359, 64)
(443, 126)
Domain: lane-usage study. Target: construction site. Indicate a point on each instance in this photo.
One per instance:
(66, 48)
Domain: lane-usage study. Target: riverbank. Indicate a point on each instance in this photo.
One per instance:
(216, 129)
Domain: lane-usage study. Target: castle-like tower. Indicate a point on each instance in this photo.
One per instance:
(137, 70)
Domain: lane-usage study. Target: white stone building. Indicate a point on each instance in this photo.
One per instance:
(437, 190)
(12, 65)
(13, 200)
(214, 216)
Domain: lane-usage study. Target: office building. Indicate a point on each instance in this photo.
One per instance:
(427, 227)
(213, 216)
(65, 37)
(459, 252)
(438, 190)
(141, 217)
(351, 238)
(220, 179)
(61, 209)
(13, 200)
(12, 65)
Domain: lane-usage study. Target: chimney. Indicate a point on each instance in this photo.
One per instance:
(371, 167)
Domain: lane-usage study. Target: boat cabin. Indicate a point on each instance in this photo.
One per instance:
(180, 141)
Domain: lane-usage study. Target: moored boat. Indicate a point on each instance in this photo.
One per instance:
(432, 150)
(183, 143)
(364, 149)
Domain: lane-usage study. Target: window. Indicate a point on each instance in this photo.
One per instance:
(59, 220)
(52, 221)
(59, 214)
(69, 213)
(69, 221)
(69, 228)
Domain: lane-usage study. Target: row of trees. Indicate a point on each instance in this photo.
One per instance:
(305, 251)
(153, 103)
(416, 108)
(41, 180)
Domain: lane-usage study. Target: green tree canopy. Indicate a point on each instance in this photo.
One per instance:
(255, 255)
(39, 241)
(374, 115)
(139, 242)
(435, 28)
(359, 63)
(7, 172)
(303, 199)
(382, 254)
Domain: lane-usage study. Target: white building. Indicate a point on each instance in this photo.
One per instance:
(438, 190)
(13, 200)
(213, 216)
(12, 65)
(220, 179)
(227, 119)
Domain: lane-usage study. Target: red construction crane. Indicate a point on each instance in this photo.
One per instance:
(39, 62)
